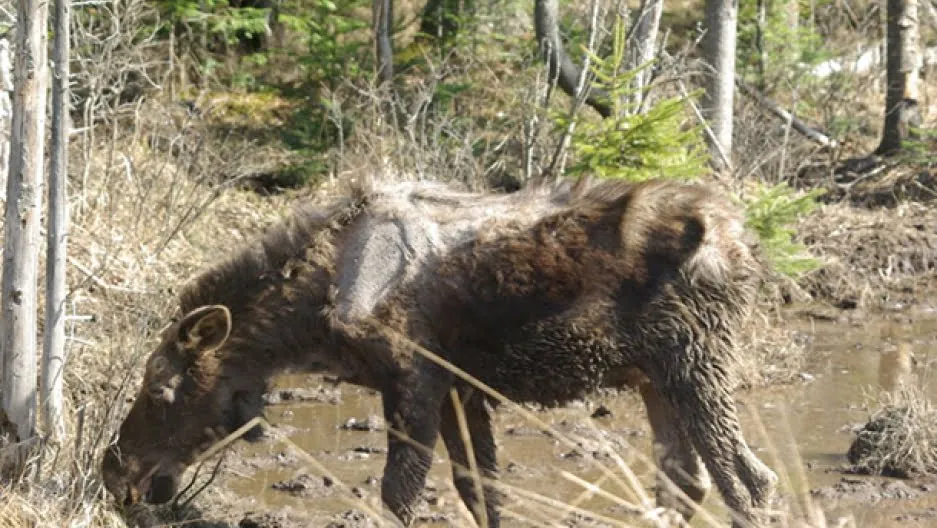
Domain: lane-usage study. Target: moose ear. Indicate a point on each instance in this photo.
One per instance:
(205, 329)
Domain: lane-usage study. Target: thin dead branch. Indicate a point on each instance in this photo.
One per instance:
(795, 123)
(579, 96)
(562, 69)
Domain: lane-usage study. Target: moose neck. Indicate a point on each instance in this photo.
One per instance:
(276, 289)
(287, 331)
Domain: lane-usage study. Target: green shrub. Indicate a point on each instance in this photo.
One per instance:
(656, 144)
(785, 51)
(920, 151)
(630, 144)
(771, 212)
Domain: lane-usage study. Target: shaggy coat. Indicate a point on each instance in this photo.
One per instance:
(544, 295)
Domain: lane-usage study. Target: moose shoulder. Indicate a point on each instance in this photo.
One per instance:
(544, 295)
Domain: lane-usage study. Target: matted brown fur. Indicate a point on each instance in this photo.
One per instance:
(545, 295)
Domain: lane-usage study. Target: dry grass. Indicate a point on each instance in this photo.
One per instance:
(900, 438)
(770, 353)
(29, 505)
(872, 258)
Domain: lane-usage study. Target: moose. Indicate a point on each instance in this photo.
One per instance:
(545, 295)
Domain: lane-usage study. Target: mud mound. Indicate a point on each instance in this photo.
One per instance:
(900, 439)
(872, 258)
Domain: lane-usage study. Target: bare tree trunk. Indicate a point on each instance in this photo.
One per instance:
(719, 54)
(931, 12)
(6, 117)
(792, 9)
(275, 26)
(23, 207)
(761, 23)
(903, 74)
(561, 68)
(53, 358)
(644, 44)
(383, 16)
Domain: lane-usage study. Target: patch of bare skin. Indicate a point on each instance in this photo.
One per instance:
(848, 362)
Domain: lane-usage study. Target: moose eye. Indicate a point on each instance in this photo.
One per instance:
(158, 364)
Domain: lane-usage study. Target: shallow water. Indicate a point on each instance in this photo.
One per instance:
(847, 363)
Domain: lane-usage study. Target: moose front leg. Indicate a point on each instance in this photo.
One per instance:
(411, 410)
(478, 423)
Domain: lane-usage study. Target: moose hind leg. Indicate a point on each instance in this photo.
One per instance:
(478, 424)
(411, 410)
(708, 414)
(678, 460)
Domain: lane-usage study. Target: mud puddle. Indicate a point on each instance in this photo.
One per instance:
(808, 427)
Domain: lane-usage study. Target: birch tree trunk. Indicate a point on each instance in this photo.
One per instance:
(23, 207)
(792, 10)
(903, 74)
(383, 16)
(761, 26)
(719, 87)
(6, 117)
(644, 44)
(53, 357)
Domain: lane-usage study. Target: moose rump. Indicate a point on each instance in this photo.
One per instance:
(626, 284)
